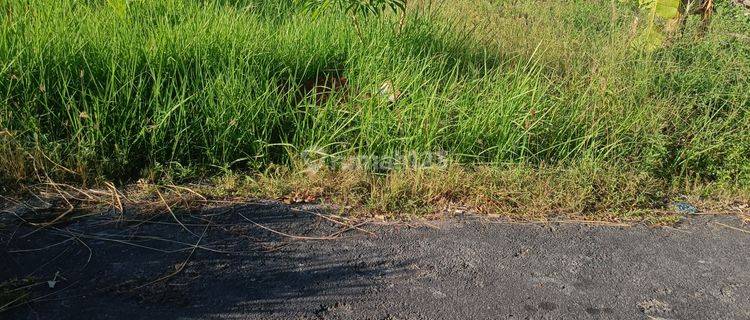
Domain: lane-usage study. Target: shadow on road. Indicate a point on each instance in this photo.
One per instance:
(211, 263)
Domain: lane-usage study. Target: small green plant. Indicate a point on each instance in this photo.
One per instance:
(119, 6)
(364, 7)
(354, 8)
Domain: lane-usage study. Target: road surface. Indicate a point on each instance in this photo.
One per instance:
(226, 263)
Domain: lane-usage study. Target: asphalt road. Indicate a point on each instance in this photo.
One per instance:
(229, 266)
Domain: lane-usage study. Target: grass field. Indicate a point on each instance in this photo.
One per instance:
(530, 106)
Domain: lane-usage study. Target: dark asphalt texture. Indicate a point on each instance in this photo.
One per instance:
(130, 267)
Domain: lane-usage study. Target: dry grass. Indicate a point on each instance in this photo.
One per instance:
(15, 292)
(595, 194)
(514, 192)
(586, 192)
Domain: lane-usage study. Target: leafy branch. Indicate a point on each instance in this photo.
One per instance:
(355, 8)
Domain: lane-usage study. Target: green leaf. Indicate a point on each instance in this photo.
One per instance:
(655, 10)
(667, 9)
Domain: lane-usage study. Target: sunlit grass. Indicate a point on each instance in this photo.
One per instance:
(192, 88)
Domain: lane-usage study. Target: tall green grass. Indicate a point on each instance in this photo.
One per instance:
(109, 93)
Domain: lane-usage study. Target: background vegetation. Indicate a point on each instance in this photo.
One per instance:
(94, 91)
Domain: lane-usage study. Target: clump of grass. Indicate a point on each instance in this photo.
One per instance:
(178, 90)
(513, 191)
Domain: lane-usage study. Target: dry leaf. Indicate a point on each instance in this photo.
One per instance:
(387, 89)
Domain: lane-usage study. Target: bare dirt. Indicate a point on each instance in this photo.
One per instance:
(228, 266)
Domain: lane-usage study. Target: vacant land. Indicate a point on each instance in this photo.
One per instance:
(135, 134)
(133, 267)
(527, 107)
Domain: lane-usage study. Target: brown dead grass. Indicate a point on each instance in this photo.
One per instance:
(516, 192)
(581, 193)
